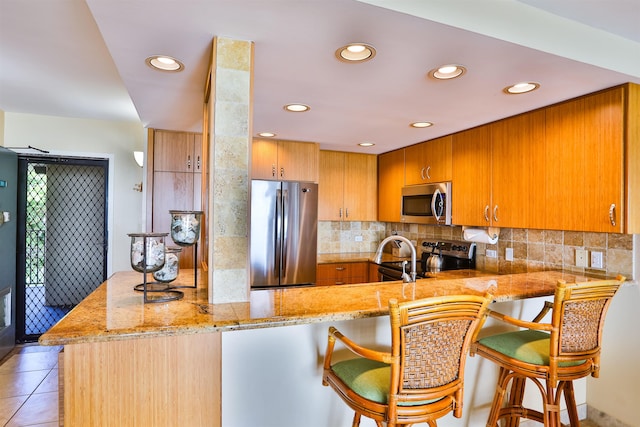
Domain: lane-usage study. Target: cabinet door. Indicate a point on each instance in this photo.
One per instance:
(173, 151)
(390, 183)
(197, 153)
(331, 186)
(414, 164)
(604, 166)
(358, 272)
(437, 158)
(298, 161)
(471, 174)
(565, 166)
(428, 161)
(360, 187)
(264, 159)
(517, 171)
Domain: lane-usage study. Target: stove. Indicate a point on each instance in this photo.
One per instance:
(455, 255)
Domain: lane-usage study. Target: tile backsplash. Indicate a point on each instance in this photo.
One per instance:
(533, 250)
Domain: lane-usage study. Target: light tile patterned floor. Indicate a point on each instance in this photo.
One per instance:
(29, 387)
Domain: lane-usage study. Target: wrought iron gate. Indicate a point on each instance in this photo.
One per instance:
(62, 238)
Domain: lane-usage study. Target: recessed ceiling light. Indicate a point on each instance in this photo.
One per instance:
(297, 108)
(267, 134)
(164, 63)
(519, 88)
(366, 144)
(356, 52)
(421, 124)
(447, 72)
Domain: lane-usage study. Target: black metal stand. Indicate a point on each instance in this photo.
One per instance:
(160, 295)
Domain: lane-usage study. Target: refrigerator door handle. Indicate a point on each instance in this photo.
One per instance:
(278, 227)
(285, 227)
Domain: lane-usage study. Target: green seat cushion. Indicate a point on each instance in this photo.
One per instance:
(526, 346)
(369, 379)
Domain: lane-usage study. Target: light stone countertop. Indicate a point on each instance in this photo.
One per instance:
(114, 311)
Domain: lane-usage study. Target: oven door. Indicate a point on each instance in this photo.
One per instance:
(427, 204)
(389, 274)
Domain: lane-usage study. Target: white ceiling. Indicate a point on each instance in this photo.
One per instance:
(85, 59)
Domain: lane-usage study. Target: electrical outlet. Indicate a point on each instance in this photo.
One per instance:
(358, 238)
(581, 257)
(508, 254)
(491, 253)
(596, 260)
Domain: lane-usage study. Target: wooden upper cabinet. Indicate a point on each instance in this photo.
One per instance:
(284, 160)
(360, 187)
(347, 188)
(565, 166)
(176, 151)
(428, 161)
(390, 183)
(604, 143)
(517, 172)
(471, 176)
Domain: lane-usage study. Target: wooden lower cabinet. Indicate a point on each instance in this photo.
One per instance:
(158, 381)
(342, 273)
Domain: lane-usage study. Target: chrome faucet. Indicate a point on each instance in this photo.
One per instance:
(407, 278)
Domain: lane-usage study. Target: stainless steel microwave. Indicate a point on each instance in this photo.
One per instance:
(427, 204)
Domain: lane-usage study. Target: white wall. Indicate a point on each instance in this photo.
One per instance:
(617, 391)
(93, 138)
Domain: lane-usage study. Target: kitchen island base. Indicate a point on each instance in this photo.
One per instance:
(160, 381)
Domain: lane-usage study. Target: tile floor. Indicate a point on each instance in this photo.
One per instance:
(29, 387)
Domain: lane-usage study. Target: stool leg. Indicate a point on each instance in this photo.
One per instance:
(498, 397)
(552, 406)
(570, 400)
(515, 399)
(356, 420)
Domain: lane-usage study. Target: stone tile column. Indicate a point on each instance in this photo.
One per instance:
(230, 128)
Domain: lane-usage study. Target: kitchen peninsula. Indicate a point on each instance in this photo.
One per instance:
(188, 362)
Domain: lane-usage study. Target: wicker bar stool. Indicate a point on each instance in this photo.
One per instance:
(551, 355)
(421, 378)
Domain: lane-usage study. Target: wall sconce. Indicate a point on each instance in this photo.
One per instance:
(139, 156)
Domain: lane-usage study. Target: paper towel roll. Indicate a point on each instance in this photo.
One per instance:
(479, 235)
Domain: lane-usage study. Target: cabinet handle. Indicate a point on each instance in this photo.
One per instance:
(495, 213)
(486, 213)
(346, 212)
(428, 172)
(198, 163)
(273, 171)
(340, 213)
(340, 268)
(612, 214)
(339, 283)
(281, 172)
(188, 162)
(422, 174)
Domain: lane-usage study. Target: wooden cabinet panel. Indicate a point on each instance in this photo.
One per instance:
(517, 171)
(298, 161)
(342, 273)
(428, 161)
(471, 174)
(565, 166)
(331, 186)
(175, 151)
(347, 189)
(374, 275)
(360, 187)
(390, 183)
(175, 181)
(284, 160)
(604, 166)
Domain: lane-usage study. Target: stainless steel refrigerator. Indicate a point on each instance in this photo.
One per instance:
(284, 233)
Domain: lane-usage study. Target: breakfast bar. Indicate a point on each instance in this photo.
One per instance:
(188, 362)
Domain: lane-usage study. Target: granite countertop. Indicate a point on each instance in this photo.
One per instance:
(114, 311)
